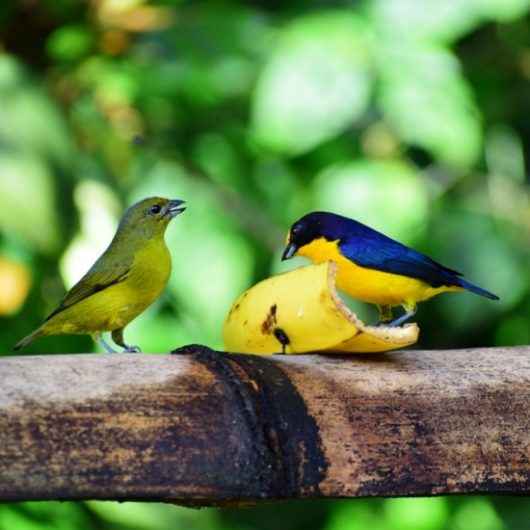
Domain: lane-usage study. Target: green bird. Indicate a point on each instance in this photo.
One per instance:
(126, 279)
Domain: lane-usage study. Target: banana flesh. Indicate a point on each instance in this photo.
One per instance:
(299, 312)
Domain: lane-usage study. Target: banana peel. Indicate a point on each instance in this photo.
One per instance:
(300, 311)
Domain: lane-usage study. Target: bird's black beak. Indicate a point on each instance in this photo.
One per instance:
(175, 208)
(290, 251)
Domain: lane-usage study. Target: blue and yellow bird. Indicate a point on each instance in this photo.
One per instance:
(372, 267)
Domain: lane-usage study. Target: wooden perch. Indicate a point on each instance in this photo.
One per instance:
(204, 428)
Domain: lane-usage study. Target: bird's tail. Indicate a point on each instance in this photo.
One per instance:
(477, 290)
(26, 341)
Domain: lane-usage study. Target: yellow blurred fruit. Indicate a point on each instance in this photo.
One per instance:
(15, 282)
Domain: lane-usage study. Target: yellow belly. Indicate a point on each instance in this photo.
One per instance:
(370, 285)
(117, 305)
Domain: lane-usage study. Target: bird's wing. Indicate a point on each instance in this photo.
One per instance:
(103, 274)
(377, 251)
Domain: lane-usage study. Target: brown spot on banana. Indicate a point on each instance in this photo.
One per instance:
(270, 320)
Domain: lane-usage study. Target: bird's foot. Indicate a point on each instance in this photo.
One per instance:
(103, 343)
(402, 319)
(117, 337)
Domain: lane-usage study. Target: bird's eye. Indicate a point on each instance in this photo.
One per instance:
(155, 209)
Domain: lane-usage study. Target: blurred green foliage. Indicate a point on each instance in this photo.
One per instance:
(410, 116)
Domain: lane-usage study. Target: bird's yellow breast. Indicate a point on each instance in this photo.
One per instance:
(150, 270)
(115, 306)
(369, 285)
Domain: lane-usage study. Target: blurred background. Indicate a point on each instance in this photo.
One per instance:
(410, 116)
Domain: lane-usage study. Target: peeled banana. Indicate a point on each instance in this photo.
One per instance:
(300, 311)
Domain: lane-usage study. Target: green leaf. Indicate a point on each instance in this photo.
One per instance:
(502, 10)
(29, 120)
(316, 84)
(53, 515)
(69, 43)
(27, 202)
(416, 514)
(11, 518)
(431, 20)
(441, 22)
(360, 515)
(127, 514)
(481, 512)
(219, 65)
(426, 99)
(489, 260)
(505, 153)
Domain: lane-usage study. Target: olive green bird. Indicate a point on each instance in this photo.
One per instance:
(127, 278)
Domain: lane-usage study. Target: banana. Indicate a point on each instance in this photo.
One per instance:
(300, 311)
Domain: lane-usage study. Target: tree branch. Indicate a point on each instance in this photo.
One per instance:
(203, 428)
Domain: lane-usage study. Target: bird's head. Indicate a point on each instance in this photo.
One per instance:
(150, 217)
(312, 227)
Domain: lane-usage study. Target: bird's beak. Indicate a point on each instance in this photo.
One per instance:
(175, 208)
(290, 251)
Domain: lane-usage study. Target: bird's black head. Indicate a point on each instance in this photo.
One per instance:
(312, 226)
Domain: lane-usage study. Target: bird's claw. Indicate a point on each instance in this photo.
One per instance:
(132, 349)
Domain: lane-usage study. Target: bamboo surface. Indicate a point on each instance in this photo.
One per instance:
(206, 428)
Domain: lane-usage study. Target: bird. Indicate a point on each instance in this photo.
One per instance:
(127, 278)
(372, 267)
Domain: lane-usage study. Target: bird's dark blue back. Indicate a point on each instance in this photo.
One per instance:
(372, 249)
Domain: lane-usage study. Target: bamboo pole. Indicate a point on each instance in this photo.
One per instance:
(206, 428)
